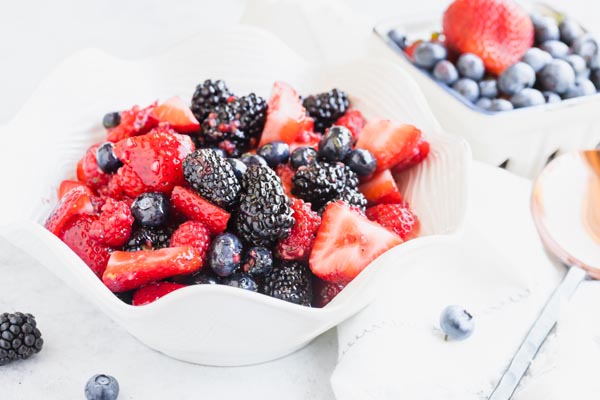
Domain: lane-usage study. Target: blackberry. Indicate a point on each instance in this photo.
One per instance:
(264, 214)
(19, 337)
(145, 238)
(235, 127)
(350, 196)
(290, 281)
(207, 96)
(203, 277)
(212, 177)
(326, 108)
(320, 182)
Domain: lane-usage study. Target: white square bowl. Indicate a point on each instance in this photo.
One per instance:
(216, 325)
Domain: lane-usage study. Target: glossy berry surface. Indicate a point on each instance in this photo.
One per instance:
(302, 156)
(557, 76)
(361, 161)
(106, 158)
(557, 49)
(467, 88)
(569, 30)
(427, 54)
(527, 97)
(581, 87)
(275, 153)
(457, 323)
(484, 103)
(151, 209)
(225, 254)
(551, 97)
(500, 105)
(445, 72)
(536, 58)
(238, 167)
(335, 144)
(241, 281)
(545, 29)
(470, 66)
(398, 38)
(102, 387)
(516, 78)
(111, 120)
(488, 88)
(258, 261)
(253, 159)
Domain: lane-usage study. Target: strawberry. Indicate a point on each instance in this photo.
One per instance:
(346, 243)
(197, 209)
(177, 115)
(67, 185)
(398, 218)
(156, 158)
(125, 183)
(89, 172)
(298, 244)
(420, 152)
(381, 188)
(154, 291)
(113, 226)
(354, 121)
(324, 292)
(498, 31)
(76, 235)
(136, 121)
(76, 201)
(390, 142)
(285, 172)
(286, 117)
(194, 234)
(127, 270)
(306, 139)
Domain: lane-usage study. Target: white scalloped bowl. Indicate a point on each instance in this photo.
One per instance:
(216, 325)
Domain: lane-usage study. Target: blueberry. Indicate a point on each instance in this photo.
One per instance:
(467, 88)
(488, 88)
(361, 161)
(258, 261)
(581, 87)
(500, 105)
(516, 78)
(335, 144)
(242, 281)
(569, 31)
(556, 48)
(484, 103)
(457, 323)
(470, 66)
(545, 29)
(253, 159)
(595, 78)
(527, 97)
(150, 209)
(302, 156)
(101, 387)
(579, 65)
(275, 153)
(106, 158)
(557, 76)
(445, 72)
(225, 254)
(536, 58)
(551, 97)
(586, 46)
(197, 278)
(111, 120)
(427, 54)
(398, 38)
(239, 168)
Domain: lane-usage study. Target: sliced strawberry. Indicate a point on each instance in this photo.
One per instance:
(286, 173)
(90, 172)
(76, 201)
(154, 291)
(194, 234)
(67, 185)
(420, 152)
(298, 244)
(136, 121)
(197, 209)
(286, 117)
(398, 218)
(156, 158)
(113, 226)
(381, 188)
(306, 139)
(346, 243)
(127, 270)
(76, 235)
(177, 114)
(390, 142)
(354, 121)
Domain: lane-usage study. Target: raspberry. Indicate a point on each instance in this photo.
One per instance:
(354, 121)
(298, 244)
(89, 172)
(194, 234)
(113, 226)
(286, 173)
(397, 218)
(134, 122)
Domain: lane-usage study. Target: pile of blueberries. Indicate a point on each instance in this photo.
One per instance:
(564, 64)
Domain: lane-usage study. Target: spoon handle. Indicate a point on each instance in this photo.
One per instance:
(536, 336)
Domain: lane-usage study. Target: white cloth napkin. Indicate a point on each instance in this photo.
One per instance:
(499, 271)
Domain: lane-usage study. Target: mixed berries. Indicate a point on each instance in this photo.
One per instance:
(497, 57)
(290, 197)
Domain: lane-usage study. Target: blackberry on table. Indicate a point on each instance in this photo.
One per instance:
(289, 281)
(207, 96)
(19, 337)
(212, 177)
(264, 214)
(145, 238)
(320, 182)
(326, 107)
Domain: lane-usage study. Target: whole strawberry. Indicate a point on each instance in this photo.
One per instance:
(498, 31)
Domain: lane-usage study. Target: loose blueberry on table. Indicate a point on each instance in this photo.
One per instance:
(102, 387)
(456, 323)
(516, 61)
(288, 197)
